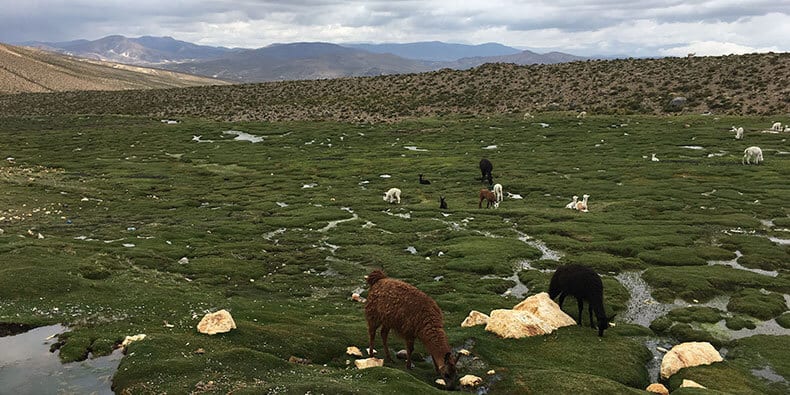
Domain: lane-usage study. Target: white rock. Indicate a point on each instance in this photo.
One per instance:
(130, 339)
(368, 363)
(353, 350)
(474, 318)
(470, 381)
(691, 384)
(183, 260)
(218, 322)
(686, 355)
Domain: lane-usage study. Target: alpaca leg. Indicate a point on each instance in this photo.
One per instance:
(480, 203)
(580, 302)
(409, 350)
(589, 307)
(372, 327)
(562, 299)
(385, 331)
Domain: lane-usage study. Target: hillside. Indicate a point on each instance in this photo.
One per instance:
(31, 70)
(437, 51)
(521, 58)
(745, 84)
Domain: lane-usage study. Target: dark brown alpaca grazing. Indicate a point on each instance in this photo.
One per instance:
(394, 304)
(489, 197)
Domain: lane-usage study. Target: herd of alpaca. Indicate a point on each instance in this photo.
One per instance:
(580, 205)
(394, 304)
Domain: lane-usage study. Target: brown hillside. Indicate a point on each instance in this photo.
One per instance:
(31, 70)
(744, 84)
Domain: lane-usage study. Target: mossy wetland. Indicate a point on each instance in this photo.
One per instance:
(97, 213)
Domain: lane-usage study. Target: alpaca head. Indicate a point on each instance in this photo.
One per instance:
(604, 324)
(449, 372)
(584, 197)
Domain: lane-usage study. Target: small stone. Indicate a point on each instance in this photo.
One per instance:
(200, 351)
(463, 351)
(491, 372)
(401, 354)
(357, 298)
(471, 381)
(368, 363)
(474, 318)
(130, 339)
(657, 388)
(183, 260)
(353, 350)
(301, 361)
(168, 325)
(441, 382)
(691, 384)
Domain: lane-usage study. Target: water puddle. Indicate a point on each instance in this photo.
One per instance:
(491, 147)
(642, 309)
(655, 345)
(311, 185)
(333, 224)
(782, 242)
(733, 263)
(694, 147)
(27, 366)
(414, 148)
(411, 250)
(244, 136)
(769, 374)
(770, 327)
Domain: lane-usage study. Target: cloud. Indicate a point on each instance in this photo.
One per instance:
(713, 48)
(587, 27)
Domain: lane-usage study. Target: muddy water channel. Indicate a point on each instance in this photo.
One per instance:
(28, 367)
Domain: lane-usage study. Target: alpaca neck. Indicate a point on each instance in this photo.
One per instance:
(435, 341)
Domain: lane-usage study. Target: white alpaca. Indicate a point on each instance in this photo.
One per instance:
(738, 133)
(752, 154)
(582, 206)
(582, 114)
(653, 158)
(392, 195)
(572, 205)
(787, 128)
(776, 127)
(498, 192)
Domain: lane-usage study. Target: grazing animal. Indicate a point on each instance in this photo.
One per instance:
(498, 192)
(654, 158)
(424, 181)
(752, 154)
(442, 203)
(392, 195)
(582, 205)
(486, 168)
(572, 205)
(583, 284)
(777, 127)
(489, 197)
(582, 114)
(394, 304)
(738, 132)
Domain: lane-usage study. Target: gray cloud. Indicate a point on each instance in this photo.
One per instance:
(606, 26)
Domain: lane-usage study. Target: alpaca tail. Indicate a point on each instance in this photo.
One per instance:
(375, 276)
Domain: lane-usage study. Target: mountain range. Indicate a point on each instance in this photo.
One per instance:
(296, 61)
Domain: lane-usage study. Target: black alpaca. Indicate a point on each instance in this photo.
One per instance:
(486, 168)
(583, 284)
(442, 203)
(424, 181)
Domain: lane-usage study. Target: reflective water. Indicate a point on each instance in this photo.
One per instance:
(27, 366)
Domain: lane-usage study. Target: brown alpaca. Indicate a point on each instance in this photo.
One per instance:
(394, 304)
(489, 197)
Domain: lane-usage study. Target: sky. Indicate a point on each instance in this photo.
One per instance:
(601, 27)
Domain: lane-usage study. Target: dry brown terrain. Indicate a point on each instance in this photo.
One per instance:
(744, 84)
(31, 70)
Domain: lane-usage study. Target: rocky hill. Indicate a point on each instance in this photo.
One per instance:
(744, 84)
(30, 70)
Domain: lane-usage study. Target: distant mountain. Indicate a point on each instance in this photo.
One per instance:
(300, 61)
(521, 58)
(144, 50)
(297, 61)
(25, 69)
(437, 51)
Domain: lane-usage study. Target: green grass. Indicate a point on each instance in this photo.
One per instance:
(120, 200)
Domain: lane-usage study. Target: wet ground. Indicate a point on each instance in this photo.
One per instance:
(28, 367)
